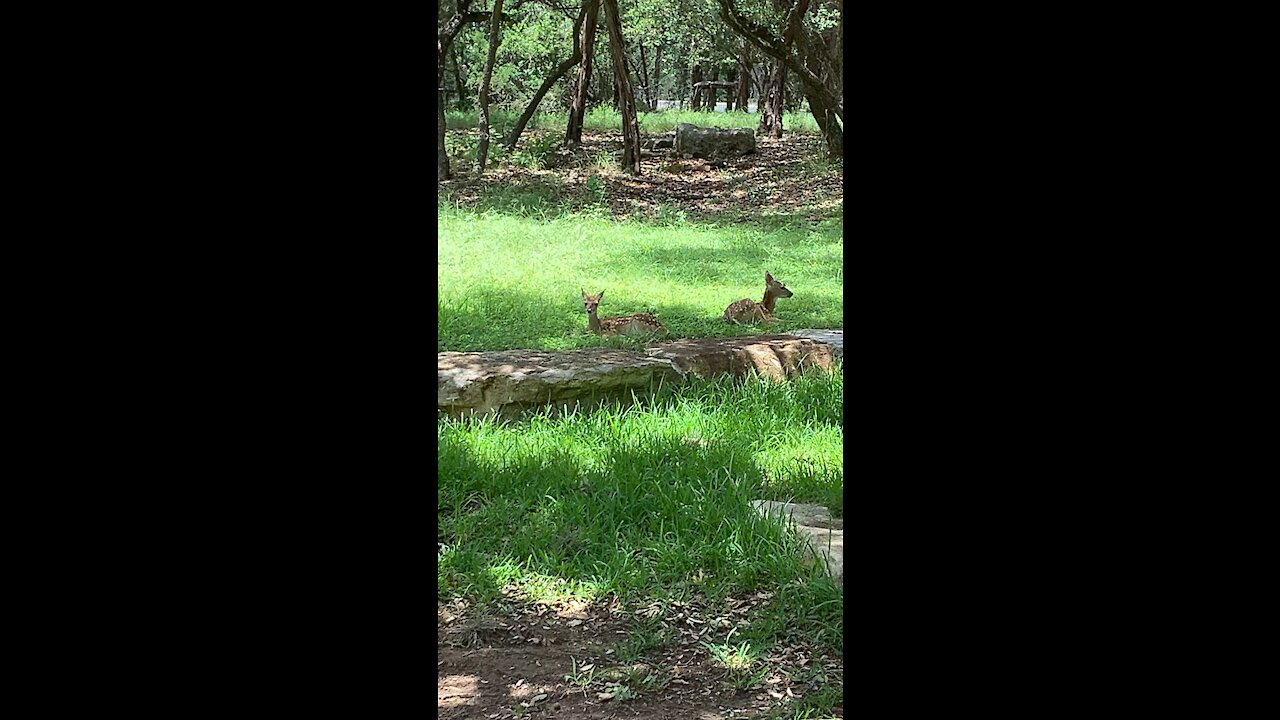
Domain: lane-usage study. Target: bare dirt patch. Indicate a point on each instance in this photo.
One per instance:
(562, 661)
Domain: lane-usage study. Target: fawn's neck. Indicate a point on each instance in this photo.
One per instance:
(769, 300)
(593, 321)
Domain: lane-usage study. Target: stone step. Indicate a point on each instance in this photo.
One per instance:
(823, 534)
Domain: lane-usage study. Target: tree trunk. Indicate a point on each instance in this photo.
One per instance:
(711, 91)
(695, 77)
(626, 97)
(442, 154)
(657, 77)
(649, 101)
(561, 70)
(482, 149)
(582, 88)
(831, 130)
(457, 80)
(744, 78)
(771, 101)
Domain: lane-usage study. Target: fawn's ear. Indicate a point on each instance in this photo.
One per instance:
(584, 293)
(601, 295)
(767, 276)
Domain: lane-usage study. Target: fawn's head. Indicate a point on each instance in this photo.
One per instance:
(590, 302)
(775, 288)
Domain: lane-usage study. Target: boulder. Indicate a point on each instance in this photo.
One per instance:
(507, 382)
(777, 357)
(707, 143)
(830, 337)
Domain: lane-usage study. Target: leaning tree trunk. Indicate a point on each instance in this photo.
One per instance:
(561, 70)
(482, 149)
(771, 101)
(626, 97)
(578, 103)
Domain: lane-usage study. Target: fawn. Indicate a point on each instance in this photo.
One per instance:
(749, 311)
(638, 324)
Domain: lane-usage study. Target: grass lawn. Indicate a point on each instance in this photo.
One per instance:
(514, 281)
(649, 502)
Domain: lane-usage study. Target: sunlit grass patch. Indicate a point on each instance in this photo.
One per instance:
(514, 280)
(604, 118)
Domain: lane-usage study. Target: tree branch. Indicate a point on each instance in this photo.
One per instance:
(782, 50)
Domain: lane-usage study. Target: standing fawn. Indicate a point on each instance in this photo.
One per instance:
(638, 324)
(749, 311)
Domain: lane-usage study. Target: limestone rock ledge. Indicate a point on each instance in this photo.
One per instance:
(777, 357)
(511, 381)
(515, 380)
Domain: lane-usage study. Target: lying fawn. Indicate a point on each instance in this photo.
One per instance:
(749, 311)
(638, 324)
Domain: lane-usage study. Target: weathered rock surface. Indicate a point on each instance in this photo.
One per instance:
(824, 534)
(511, 381)
(714, 142)
(777, 357)
(515, 380)
(833, 338)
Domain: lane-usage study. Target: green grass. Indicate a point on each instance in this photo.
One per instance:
(608, 119)
(511, 277)
(650, 502)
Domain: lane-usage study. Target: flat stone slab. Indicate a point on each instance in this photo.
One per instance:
(516, 380)
(511, 381)
(823, 534)
(833, 338)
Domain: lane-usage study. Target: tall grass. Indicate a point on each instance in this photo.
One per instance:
(607, 119)
(649, 501)
(513, 279)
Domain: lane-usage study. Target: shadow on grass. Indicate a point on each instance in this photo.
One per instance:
(495, 317)
(644, 520)
(547, 197)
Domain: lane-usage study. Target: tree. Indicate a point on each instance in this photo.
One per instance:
(770, 106)
(626, 96)
(802, 50)
(744, 77)
(495, 37)
(578, 103)
(560, 71)
(444, 41)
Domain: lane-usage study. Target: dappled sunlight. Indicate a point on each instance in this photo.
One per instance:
(456, 690)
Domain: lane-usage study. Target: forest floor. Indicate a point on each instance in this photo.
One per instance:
(599, 662)
(785, 180)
